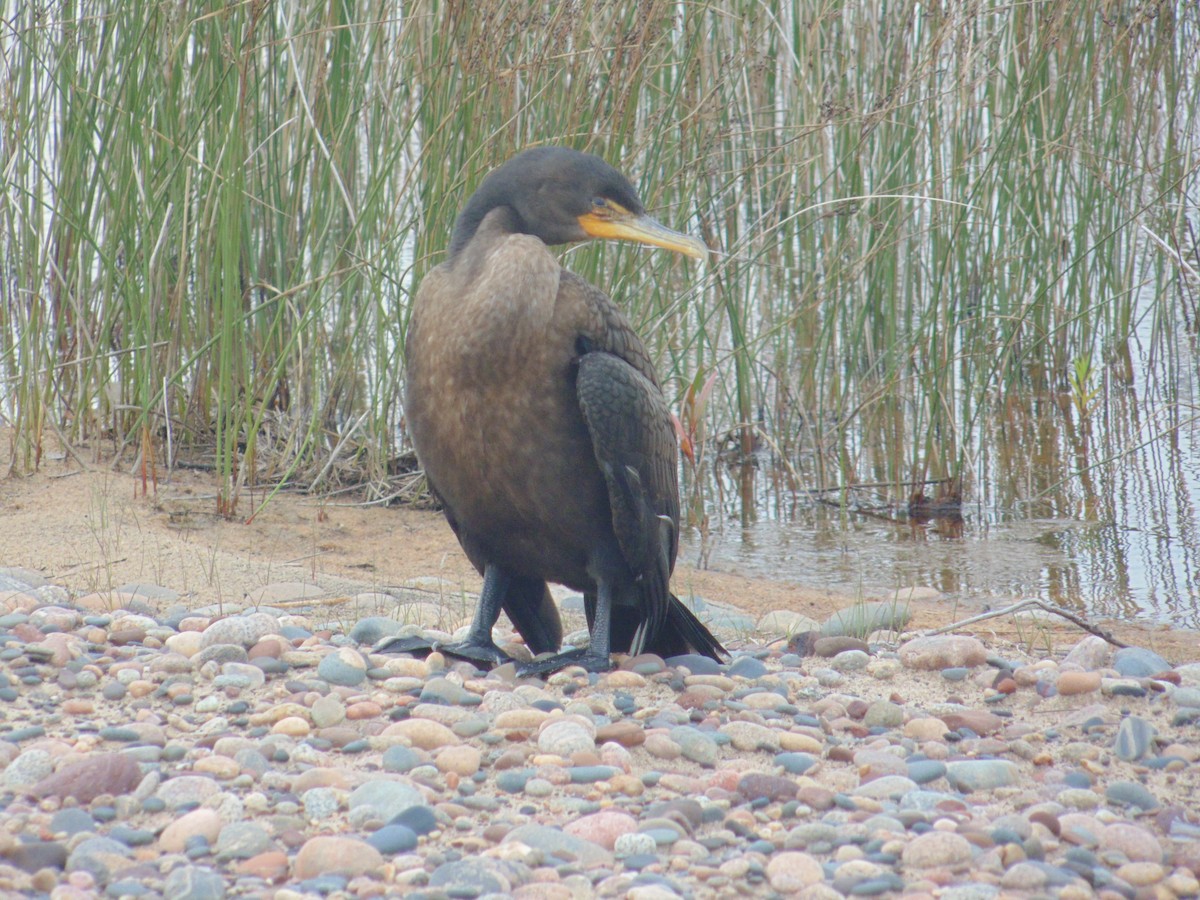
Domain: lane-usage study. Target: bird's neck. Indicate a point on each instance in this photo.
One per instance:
(481, 208)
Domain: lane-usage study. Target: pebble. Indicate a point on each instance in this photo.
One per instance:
(566, 737)
(982, 774)
(399, 758)
(1186, 697)
(191, 753)
(1090, 654)
(345, 667)
(940, 849)
(943, 651)
(392, 839)
(850, 661)
(1131, 794)
(423, 733)
(1133, 842)
(240, 630)
(329, 854)
(203, 822)
(194, 883)
(242, 840)
(91, 777)
(1134, 738)
(1138, 662)
(1073, 683)
(29, 768)
(417, 819)
(792, 871)
(863, 618)
(603, 828)
(388, 797)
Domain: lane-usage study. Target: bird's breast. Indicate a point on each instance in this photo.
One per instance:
(493, 413)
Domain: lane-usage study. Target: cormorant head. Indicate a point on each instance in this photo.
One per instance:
(561, 195)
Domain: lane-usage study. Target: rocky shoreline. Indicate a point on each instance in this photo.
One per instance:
(149, 749)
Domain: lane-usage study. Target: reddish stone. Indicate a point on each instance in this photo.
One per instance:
(725, 779)
(818, 798)
(585, 758)
(268, 647)
(602, 827)
(627, 734)
(123, 636)
(772, 787)
(88, 778)
(511, 759)
(271, 866)
(840, 754)
(693, 699)
(336, 855)
(1047, 820)
(365, 709)
(978, 720)
(291, 838)
(494, 834)
(829, 647)
(26, 633)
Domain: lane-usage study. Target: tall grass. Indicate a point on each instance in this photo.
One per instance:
(214, 217)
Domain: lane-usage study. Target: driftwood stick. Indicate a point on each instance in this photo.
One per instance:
(1025, 604)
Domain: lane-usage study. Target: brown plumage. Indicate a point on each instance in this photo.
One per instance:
(536, 413)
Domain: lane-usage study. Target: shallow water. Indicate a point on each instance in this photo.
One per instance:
(1100, 516)
(1067, 562)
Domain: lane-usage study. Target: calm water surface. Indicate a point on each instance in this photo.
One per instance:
(1100, 517)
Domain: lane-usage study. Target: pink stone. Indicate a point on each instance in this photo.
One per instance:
(88, 778)
(602, 828)
(333, 855)
(201, 821)
(791, 871)
(1138, 844)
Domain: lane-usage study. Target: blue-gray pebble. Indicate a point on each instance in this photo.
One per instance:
(391, 839)
(1138, 662)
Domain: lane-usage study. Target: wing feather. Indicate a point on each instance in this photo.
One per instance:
(634, 443)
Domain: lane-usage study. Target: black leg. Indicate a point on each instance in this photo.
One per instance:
(478, 646)
(597, 657)
(528, 603)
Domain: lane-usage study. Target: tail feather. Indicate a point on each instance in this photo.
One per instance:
(684, 633)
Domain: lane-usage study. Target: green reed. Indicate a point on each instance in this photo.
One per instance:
(214, 217)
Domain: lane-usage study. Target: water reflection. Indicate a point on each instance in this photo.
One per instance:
(1094, 512)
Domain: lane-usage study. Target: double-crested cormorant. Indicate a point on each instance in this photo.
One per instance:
(536, 414)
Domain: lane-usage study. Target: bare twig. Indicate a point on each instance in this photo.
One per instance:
(1025, 604)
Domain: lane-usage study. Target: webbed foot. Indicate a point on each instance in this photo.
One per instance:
(488, 655)
(547, 665)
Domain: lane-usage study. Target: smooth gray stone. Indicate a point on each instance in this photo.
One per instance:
(389, 797)
(1138, 662)
(242, 840)
(366, 632)
(194, 883)
(863, 618)
(557, 842)
(1135, 736)
(981, 774)
(1131, 793)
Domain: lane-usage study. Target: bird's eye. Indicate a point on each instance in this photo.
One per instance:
(599, 203)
